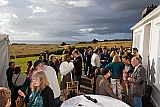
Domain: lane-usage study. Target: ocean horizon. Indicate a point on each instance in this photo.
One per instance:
(68, 42)
(53, 42)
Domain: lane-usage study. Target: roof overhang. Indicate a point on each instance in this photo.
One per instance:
(150, 16)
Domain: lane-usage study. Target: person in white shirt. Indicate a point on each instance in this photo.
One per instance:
(52, 78)
(95, 62)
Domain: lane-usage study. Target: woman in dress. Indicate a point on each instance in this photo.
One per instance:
(66, 68)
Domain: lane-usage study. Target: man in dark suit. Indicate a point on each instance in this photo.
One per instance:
(137, 80)
(77, 66)
(9, 74)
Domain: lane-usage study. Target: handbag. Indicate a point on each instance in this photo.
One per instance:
(71, 94)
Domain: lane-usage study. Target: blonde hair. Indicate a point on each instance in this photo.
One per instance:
(65, 57)
(116, 58)
(112, 54)
(52, 56)
(5, 94)
(43, 80)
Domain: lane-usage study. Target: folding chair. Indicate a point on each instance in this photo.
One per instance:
(72, 86)
(92, 83)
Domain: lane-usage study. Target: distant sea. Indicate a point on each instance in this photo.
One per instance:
(68, 42)
(42, 42)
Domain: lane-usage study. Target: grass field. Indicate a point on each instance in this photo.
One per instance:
(22, 49)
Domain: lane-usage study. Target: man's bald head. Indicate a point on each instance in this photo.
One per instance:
(135, 61)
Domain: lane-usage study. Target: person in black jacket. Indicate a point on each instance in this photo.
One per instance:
(88, 62)
(9, 74)
(29, 65)
(78, 66)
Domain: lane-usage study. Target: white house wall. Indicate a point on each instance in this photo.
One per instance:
(154, 77)
(138, 38)
(154, 47)
(152, 51)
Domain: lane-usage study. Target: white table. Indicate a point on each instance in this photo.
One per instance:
(103, 101)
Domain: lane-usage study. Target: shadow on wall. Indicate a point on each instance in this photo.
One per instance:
(158, 69)
(152, 72)
(148, 69)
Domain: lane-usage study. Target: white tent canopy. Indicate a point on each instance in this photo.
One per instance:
(4, 58)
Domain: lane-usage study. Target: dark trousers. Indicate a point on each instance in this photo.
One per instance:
(85, 68)
(93, 75)
(93, 71)
(78, 78)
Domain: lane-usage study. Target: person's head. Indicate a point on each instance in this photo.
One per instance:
(29, 63)
(38, 65)
(135, 61)
(68, 48)
(65, 57)
(112, 54)
(116, 58)
(5, 97)
(135, 51)
(126, 59)
(40, 57)
(39, 80)
(17, 70)
(97, 50)
(105, 51)
(75, 53)
(52, 58)
(11, 65)
(86, 49)
(128, 50)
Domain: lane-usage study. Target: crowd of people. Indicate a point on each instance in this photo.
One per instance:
(117, 73)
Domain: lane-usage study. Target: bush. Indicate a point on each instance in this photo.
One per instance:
(63, 43)
(94, 40)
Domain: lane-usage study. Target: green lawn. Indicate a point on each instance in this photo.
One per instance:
(23, 61)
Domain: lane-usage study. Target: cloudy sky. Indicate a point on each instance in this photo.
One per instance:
(69, 20)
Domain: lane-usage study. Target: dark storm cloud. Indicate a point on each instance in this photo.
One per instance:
(71, 19)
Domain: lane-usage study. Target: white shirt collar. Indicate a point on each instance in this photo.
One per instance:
(136, 67)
